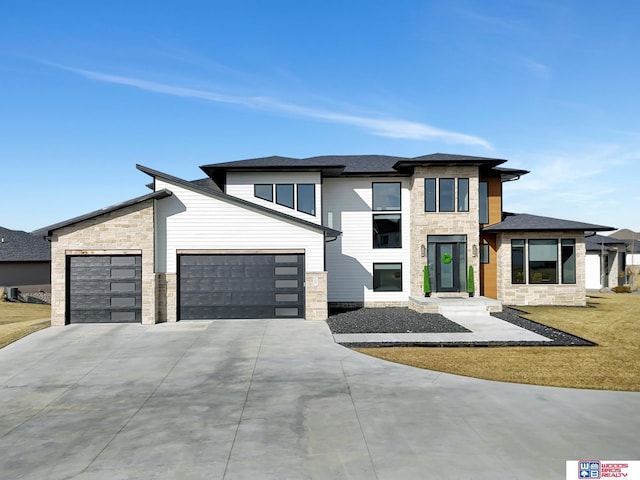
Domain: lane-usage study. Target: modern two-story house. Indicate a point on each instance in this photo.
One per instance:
(281, 237)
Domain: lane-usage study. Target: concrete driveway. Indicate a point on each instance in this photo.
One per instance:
(279, 399)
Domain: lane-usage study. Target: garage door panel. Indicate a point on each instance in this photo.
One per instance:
(241, 286)
(104, 289)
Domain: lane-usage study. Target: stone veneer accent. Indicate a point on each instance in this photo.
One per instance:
(167, 297)
(316, 306)
(128, 230)
(437, 223)
(547, 294)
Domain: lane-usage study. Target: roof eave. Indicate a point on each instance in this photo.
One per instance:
(48, 231)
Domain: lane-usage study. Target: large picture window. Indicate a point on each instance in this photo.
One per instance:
(387, 231)
(387, 277)
(543, 261)
(386, 196)
(307, 198)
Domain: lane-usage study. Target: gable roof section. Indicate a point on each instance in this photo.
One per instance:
(522, 222)
(211, 192)
(345, 165)
(19, 246)
(46, 231)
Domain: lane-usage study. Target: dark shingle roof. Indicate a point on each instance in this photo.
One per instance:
(598, 242)
(19, 246)
(335, 165)
(535, 223)
(206, 183)
(46, 231)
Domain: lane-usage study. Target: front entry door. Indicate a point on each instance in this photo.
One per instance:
(447, 267)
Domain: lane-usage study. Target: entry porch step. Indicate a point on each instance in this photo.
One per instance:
(455, 306)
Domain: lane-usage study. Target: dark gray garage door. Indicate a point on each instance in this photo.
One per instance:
(241, 286)
(104, 288)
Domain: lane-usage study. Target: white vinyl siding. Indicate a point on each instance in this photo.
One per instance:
(240, 184)
(348, 207)
(592, 271)
(192, 221)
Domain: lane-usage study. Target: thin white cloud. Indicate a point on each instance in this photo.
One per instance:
(384, 127)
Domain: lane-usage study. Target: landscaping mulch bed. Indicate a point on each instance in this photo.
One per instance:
(404, 320)
(391, 320)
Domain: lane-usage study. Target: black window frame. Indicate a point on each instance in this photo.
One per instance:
(534, 270)
(483, 203)
(278, 195)
(430, 194)
(376, 278)
(313, 192)
(485, 256)
(377, 208)
(375, 238)
(441, 182)
(520, 245)
(568, 242)
(459, 193)
(255, 191)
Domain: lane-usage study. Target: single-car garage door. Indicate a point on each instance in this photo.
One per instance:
(240, 286)
(104, 288)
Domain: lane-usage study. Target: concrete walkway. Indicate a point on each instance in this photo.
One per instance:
(471, 313)
(279, 400)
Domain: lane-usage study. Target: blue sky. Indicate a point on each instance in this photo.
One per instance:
(89, 89)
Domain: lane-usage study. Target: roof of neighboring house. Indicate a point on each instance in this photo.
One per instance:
(215, 193)
(534, 223)
(597, 243)
(46, 231)
(345, 165)
(625, 234)
(19, 246)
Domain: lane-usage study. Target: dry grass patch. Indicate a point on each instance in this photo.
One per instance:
(611, 320)
(18, 320)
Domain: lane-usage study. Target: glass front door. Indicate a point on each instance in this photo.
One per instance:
(447, 267)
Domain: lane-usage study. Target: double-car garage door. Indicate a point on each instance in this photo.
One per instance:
(108, 288)
(240, 286)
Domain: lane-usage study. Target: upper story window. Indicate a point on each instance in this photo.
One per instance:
(307, 198)
(263, 191)
(386, 196)
(441, 195)
(463, 194)
(284, 194)
(304, 199)
(483, 202)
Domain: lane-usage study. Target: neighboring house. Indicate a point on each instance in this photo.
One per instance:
(281, 237)
(605, 262)
(632, 241)
(25, 261)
